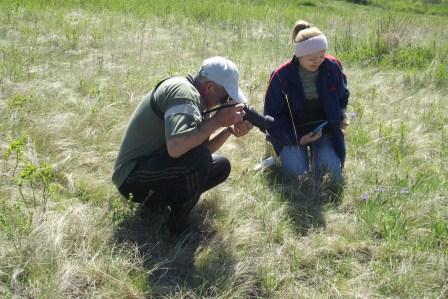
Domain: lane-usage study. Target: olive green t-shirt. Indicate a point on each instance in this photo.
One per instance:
(179, 102)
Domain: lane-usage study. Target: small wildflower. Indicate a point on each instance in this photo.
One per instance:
(365, 196)
(405, 191)
(353, 115)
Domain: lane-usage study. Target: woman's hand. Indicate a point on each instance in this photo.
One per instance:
(345, 122)
(310, 138)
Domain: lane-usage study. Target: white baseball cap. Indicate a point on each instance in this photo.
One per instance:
(225, 73)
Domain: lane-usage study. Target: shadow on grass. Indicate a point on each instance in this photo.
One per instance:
(174, 259)
(306, 198)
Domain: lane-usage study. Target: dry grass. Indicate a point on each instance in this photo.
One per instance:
(78, 76)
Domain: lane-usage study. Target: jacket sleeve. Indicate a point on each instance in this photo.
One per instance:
(344, 92)
(273, 106)
(274, 99)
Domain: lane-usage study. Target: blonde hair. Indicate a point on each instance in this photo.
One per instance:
(303, 30)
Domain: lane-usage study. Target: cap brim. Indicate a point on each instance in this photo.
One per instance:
(236, 94)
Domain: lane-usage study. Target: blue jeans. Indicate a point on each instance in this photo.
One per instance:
(296, 159)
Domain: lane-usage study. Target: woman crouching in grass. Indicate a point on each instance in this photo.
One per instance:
(304, 92)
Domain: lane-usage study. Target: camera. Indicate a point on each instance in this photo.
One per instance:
(259, 120)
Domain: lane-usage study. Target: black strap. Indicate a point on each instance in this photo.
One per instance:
(154, 106)
(218, 108)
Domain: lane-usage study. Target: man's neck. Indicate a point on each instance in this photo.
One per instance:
(199, 89)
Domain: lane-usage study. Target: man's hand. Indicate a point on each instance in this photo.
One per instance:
(229, 116)
(241, 128)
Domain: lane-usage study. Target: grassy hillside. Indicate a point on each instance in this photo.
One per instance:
(72, 72)
(434, 7)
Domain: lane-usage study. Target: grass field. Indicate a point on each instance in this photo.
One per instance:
(71, 74)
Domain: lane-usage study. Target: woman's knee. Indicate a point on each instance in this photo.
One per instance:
(332, 168)
(294, 161)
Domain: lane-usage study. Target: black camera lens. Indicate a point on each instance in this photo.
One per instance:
(262, 122)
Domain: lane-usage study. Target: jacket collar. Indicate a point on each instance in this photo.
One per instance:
(292, 73)
(292, 70)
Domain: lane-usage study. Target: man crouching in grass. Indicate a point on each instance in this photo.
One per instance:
(165, 159)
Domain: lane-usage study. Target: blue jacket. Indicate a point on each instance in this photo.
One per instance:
(285, 84)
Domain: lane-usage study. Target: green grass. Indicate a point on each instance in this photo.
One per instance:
(72, 72)
(434, 7)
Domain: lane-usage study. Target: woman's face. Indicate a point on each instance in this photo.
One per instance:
(311, 62)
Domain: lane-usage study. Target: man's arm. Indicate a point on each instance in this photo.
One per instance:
(239, 129)
(218, 139)
(178, 146)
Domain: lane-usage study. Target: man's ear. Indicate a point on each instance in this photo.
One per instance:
(210, 88)
(205, 89)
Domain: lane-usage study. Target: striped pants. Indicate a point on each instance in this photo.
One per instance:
(161, 181)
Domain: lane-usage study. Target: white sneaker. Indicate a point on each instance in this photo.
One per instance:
(266, 163)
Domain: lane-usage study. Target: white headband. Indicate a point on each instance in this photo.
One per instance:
(312, 45)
